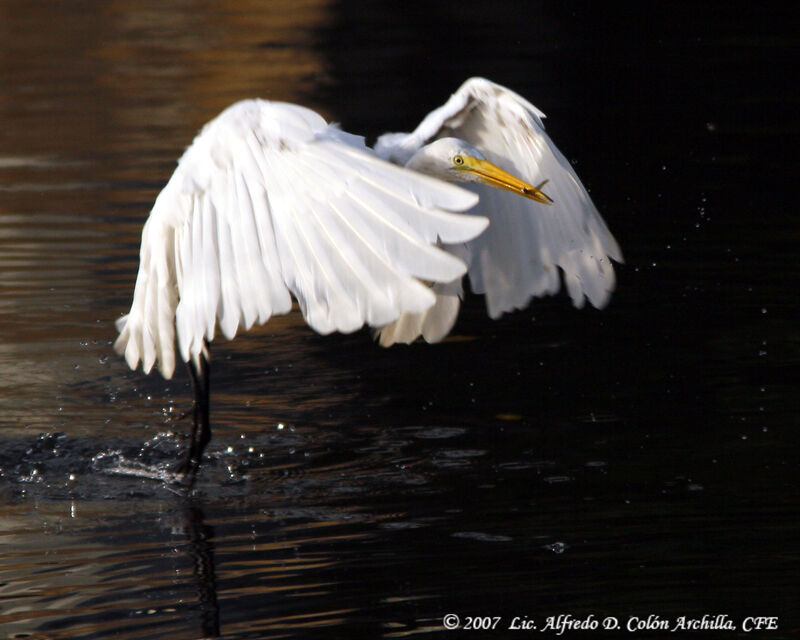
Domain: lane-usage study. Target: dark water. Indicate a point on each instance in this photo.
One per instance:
(632, 462)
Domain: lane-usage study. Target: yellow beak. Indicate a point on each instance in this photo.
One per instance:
(493, 175)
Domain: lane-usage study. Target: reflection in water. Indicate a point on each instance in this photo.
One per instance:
(95, 586)
(201, 548)
(635, 461)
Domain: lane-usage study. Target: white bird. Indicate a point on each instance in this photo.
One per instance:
(270, 201)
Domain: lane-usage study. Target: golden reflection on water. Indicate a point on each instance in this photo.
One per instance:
(85, 575)
(82, 77)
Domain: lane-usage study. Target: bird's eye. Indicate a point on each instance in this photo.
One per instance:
(458, 160)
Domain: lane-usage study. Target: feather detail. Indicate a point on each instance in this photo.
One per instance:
(268, 201)
(528, 246)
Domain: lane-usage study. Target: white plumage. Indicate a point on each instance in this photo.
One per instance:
(269, 199)
(270, 202)
(527, 247)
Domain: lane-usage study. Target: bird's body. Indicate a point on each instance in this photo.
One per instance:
(270, 202)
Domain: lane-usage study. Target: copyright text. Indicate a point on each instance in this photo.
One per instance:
(562, 623)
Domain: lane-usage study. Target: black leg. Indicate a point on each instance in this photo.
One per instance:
(201, 429)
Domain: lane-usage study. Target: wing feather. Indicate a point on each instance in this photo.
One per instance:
(527, 244)
(433, 323)
(270, 200)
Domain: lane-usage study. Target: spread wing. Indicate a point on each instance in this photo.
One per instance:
(527, 244)
(270, 200)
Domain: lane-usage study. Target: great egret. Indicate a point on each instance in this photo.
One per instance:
(270, 200)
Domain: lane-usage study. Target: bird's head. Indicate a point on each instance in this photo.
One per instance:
(455, 160)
